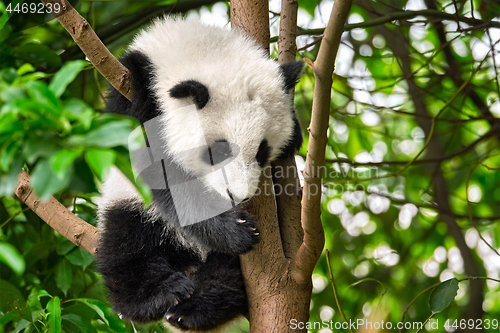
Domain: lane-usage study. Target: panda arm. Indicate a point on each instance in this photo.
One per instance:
(144, 105)
(232, 232)
(141, 265)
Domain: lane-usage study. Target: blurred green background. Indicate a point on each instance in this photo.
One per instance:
(412, 181)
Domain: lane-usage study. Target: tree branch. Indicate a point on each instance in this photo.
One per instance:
(253, 19)
(403, 15)
(53, 212)
(83, 35)
(58, 217)
(490, 133)
(287, 47)
(285, 173)
(121, 26)
(455, 73)
(312, 245)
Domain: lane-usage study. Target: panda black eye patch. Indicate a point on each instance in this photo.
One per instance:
(191, 88)
(217, 152)
(263, 153)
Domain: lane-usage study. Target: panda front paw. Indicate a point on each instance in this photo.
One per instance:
(233, 232)
(190, 316)
(179, 288)
(247, 232)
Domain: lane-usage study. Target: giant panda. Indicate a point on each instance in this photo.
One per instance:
(215, 94)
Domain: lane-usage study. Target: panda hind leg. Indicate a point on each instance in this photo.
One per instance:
(141, 267)
(219, 296)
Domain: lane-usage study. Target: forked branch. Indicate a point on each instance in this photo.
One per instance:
(85, 37)
(58, 217)
(312, 245)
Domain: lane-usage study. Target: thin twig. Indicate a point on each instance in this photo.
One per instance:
(413, 300)
(403, 15)
(334, 287)
(470, 212)
(312, 245)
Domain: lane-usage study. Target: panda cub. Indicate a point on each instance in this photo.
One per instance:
(217, 110)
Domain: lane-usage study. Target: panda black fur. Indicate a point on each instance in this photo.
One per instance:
(152, 267)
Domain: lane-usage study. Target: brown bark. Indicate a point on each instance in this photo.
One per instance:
(322, 68)
(285, 173)
(59, 217)
(278, 271)
(252, 17)
(83, 35)
(287, 46)
(273, 297)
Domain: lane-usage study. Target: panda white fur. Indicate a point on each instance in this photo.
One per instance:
(154, 267)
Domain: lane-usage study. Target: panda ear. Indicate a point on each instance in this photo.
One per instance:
(291, 73)
(191, 88)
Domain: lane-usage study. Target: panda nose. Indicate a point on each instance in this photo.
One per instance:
(235, 199)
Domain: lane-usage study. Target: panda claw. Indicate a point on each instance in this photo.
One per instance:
(241, 221)
(168, 316)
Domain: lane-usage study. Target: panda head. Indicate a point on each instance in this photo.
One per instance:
(221, 103)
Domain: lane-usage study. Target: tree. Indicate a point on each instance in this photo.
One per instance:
(412, 104)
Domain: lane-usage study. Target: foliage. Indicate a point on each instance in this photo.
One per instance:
(413, 156)
(404, 134)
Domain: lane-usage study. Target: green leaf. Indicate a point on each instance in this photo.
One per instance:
(62, 160)
(63, 275)
(21, 325)
(37, 54)
(42, 293)
(65, 76)
(442, 295)
(7, 155)
(100, 161)
(10, 256)
(76, 109)
(9, 316)
(309, 6)
(105, 312)
(12, 94)
(10, 297)
(46, 183)
(40, 93)
(108, 135)
(64, 247)
(25, 68)
(34, 149)
(54, 312)
(95, 305)
(80, 257)
(9, 182)
(8, 74)
(9, 124)
(80, 310)
(76, 324)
